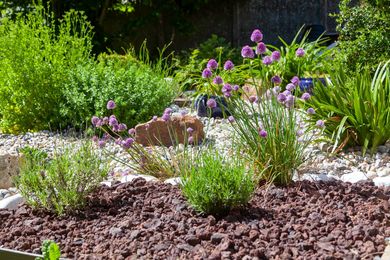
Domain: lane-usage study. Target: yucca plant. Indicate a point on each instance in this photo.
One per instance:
(356, 108)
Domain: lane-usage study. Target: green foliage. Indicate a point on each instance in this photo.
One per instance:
(60, 184)
(50, 251)
(364, 34)
(214, 184)
(36, 57)
(356, 108)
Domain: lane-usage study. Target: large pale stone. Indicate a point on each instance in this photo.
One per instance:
(9, 167)
(11, 202)
(168, 133)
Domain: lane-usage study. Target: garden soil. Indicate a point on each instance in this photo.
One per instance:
(151, 220)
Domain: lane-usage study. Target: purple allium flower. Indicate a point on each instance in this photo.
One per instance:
(253, 99)
(190, 130)
(111, 104)
(231, 119)
(276, 79)
(263, 133)
(154, 119)
(305, 96)
(276, 90)
(236, 87)
(247, 52)
(168, 110)
(128, 143)
(113, 121)
(191, 140)
(95, 120)
(300, 132)
(282, 97)
(290, 87)
(131, 131)
(226, 88)
(311, 111)
(256, 36)
(268, 94)
(320, 124)
(115, 128)
(300, 52)
(295, 80)
(99, 123)
(212, 64)
(122, 127)
(289, 101)
(218, 80)
(166, 117)
(207, 73)
(105, 120)
(118, 141)
(286, 92)
(95, 138)
(227, 94)
(261, 48)
(228, 65)
(275, 56)
(211, 103)
(106, 136)
(267, 60)
(101, 143)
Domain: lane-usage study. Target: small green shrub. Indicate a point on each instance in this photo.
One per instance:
(50, 251)
(214, 184)
(62, 183)
(356, 109)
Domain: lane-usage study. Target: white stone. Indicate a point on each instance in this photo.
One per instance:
(354, 176)
(383, 172)
(317, 177)
(131, 177)
(173, 181)
(11, 202)
(9, 167)
(382, 181)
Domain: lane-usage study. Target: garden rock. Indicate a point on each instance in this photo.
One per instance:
(11, 202)
(382, 181)
(164, 133)
(354, 177)
(9, 167)
(173, 181)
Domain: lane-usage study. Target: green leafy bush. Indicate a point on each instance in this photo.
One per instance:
(356, 109)
(364, 28)
(36, 56)
(62, 183)
(50, 251)
(214, 184)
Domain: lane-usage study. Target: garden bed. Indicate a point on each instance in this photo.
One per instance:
(142, 219)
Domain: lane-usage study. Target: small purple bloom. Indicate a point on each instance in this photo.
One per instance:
(281, 97)
(275, 56)
(256, 36)
(228, 65)
(261, 48)
(95, 138)
(247, 52)
(218, 80)
(168, 110)
(263, 133)
(236, 87)
(191, 140)
(166, 117)
(300, 52)
(300, 132)
(290, 87)
(154, 119)
(305, 96)
(227, 94)
(276, 79)
(207, 73)
(289, 101)
(226, 88)
(320, 124)
(295, 80)
(122, 127)
(211, 103)
(118, 141)
(128, 143)
(231, 119)
(190, 130)
(253, 99)
(286, 92)
(105, 120)
(113, 121)
(267, 60)
(111, 104)
(115, 128)
(101, 144)
(212, 64)
(276, 90)
(95, 120)
(311, 111)
(131, 131)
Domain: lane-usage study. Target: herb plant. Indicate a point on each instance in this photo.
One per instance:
(50, 251)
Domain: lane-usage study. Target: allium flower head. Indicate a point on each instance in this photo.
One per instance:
(113, 121)
(289, 103)
(131, 131)
(300, 52)
(253, 99)
(227, 94)
(276, 79)
(261, 48)
(191, 140)
(275, 56)
(212, 64)
(227, 88)
(118, 141)
(207, 73)
(101, 143)
(111, 104)
(95, 120)
(287, 92)
(295, 80)
(231, 119)
(247, 52)
(218, 80)
(105, 120)
(190, 130)
(300, 132)
(263, 133)
(115, 128)
(128, 143)
(166, 117)
(290, 87)
(95, 138)
(276, 90)
(256, 36)
(211, 103)
(282, 97)
(267, 60)
(320, 124)
(122, 127)
(305, 96)
(311, 111)
(236, 87)
(168, 110)
(154, 119)
(228, 65)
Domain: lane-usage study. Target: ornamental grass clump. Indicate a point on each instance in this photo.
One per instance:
(62, 183)
(214, 184)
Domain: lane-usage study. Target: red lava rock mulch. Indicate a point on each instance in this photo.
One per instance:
(149, 220)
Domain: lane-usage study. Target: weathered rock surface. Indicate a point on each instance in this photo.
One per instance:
(9, 167)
